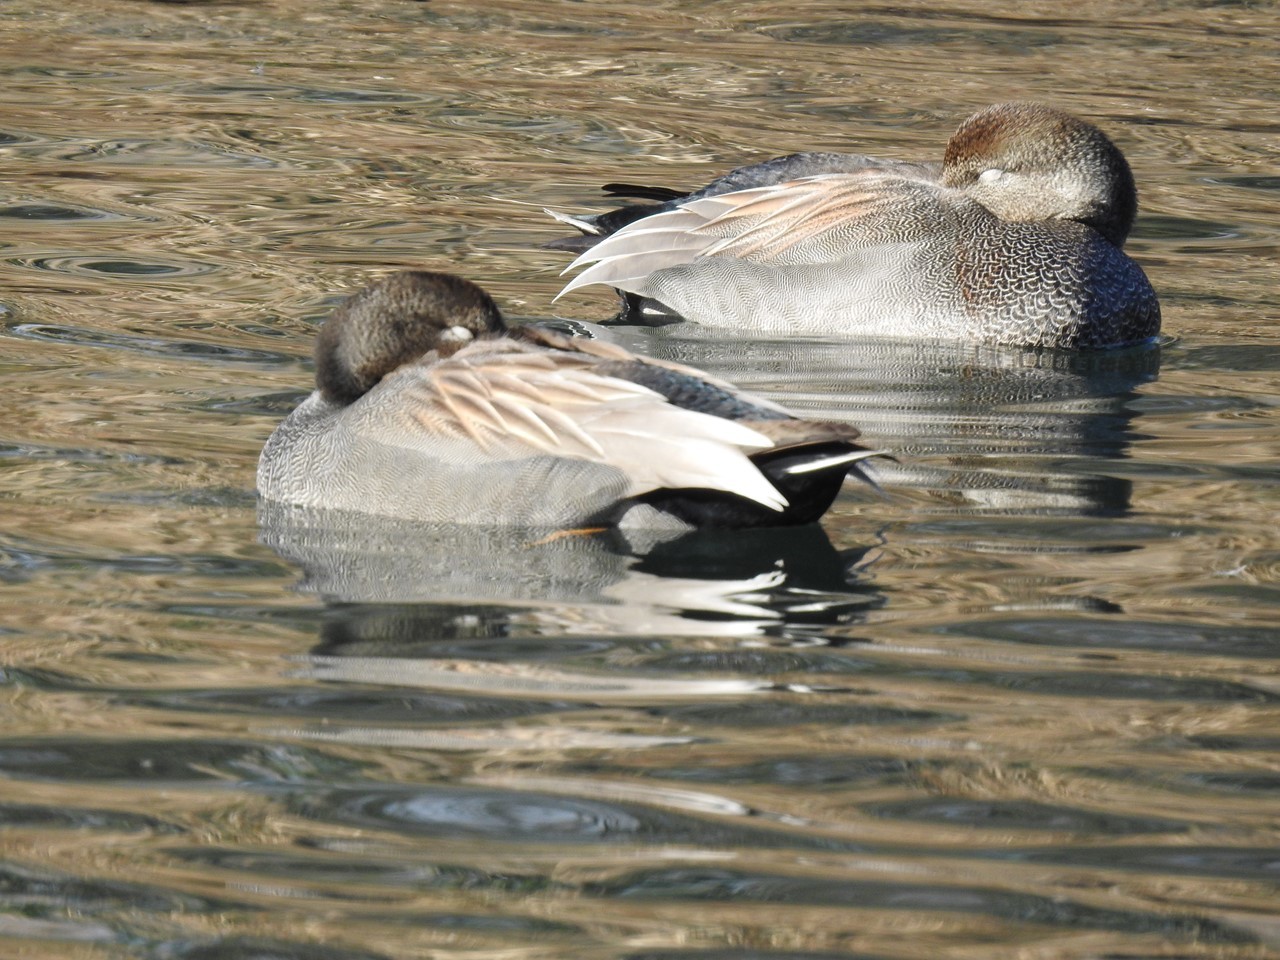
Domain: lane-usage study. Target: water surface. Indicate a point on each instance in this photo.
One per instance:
(1023, 705)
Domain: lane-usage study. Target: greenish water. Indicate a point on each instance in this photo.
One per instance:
(1023, 705)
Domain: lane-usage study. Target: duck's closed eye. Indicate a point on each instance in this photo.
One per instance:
(458, 335)
(990, 176)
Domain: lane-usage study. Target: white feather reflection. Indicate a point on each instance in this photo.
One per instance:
(418, 580)
(517, 679)
(987, 427)
(488, 740)
(695, 801)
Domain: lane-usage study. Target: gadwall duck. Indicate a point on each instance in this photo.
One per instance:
(1014, 239)
(428, 408)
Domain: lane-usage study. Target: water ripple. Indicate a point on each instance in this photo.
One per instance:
(1022, 815)
(54, 213)
(742, 887)
(1127, 634)
(132, 268)
(145, 345)
(139, 761)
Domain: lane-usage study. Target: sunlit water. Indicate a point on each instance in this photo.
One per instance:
(1023, 705)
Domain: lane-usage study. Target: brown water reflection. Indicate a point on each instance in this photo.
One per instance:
(1026, 704)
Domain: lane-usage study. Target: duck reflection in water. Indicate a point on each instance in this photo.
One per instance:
(490, 620)
(395, 585)
(995, 430)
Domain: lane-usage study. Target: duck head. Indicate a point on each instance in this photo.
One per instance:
(1028, 161)
(395, 321)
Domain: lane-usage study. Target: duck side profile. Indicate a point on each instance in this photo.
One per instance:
(1015, 238)
(428, 408)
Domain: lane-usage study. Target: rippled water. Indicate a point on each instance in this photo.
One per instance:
(1023, 705)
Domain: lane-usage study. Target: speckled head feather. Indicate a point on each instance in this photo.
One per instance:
(1028, 162)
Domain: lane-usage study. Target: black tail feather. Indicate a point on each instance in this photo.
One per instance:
(638, 191)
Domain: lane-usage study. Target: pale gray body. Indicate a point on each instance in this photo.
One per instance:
(319, 456)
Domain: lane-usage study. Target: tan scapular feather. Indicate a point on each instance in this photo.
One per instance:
(756, 224)
(512, 407)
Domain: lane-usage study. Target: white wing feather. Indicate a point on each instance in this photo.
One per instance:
(762, 223)
(511, 405)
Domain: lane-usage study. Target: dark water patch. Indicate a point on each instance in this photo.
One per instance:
(1070, 534)
(237, 497)
(1021, 815)
(258, 91)
(413, 632)
(859, 32)
(1244, 743)
(305, 618)
(1233, 357)
(321, 95)
(139, 656)
(476, 632)
(1248, 182)
(32, 556)
(1121, 686)
(1155, 227)
(274, 405)
(468, 20)
(346, 705)
(61, 73)
(1183, 407)
(1251, 864)
(1208, 782)
(735, 953)
(709, 885)
(146, 345)
(160, 153)
(589, 134)
(34, 678)
(1261, 781)
(791, 771)
(18, 566)
(47, 893)
(335, 869)
(759, 662)
(25, 816)
(272, 326)
(189, 763)
(53, 213)
(257, 948)
(509, 924)
(116, 268)
(523, 817)
(773, 713)
(31, 452)
(1123, 634)
(1205, 471)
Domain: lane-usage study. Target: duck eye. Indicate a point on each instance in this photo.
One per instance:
(457, 335)
(990, 176)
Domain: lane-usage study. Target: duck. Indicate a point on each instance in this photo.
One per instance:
(427, 407)
(1015, 239)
